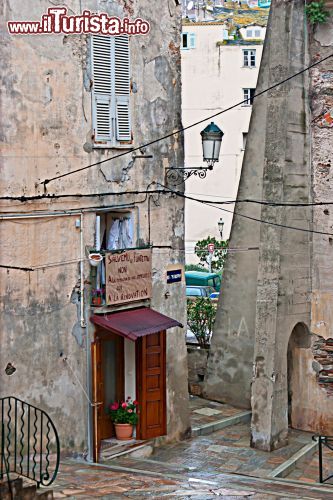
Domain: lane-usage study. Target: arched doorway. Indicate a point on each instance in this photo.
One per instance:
(299, 343)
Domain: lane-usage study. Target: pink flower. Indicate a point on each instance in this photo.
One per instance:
(124, 405)
(114, 406)
(129, 410)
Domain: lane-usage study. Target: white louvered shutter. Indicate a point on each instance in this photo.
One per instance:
(192, 41)
(122, 88)
(102, 88)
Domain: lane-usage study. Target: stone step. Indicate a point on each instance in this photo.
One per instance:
(205, 429)
(289, 465)
(18, 490)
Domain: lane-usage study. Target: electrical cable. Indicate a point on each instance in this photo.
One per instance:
(212, 204)
(171, 134)
(166, 190)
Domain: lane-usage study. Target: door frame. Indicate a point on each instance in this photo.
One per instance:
(101, 335)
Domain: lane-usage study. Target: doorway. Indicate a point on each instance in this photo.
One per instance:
(108, 382)
(299, 342)
(114, 359)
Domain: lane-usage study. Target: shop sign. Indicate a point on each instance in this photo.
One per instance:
(128, 276)
(174, 276)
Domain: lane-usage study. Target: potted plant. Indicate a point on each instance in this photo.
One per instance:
(96, 296)
(124, 415)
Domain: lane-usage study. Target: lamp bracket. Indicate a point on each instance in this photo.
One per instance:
(178, 175)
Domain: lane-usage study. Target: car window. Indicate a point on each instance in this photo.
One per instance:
(193, 291)
(211, 282)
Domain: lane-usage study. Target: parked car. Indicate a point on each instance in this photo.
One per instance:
(214, 296)
(196, 278)
(199, 291)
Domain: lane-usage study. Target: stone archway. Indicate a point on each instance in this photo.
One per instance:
(297, 365)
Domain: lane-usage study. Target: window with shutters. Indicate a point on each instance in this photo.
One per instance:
(110, 59)
(188, 41)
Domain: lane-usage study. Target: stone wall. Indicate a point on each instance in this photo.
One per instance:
(286, 287)
(46, 130)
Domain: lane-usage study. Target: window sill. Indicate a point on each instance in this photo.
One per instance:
(112, 146)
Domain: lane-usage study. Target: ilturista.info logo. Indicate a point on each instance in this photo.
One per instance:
(56, 21)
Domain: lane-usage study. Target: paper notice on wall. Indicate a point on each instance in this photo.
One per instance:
(128, 276)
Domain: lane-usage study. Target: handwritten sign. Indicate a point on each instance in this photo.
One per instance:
(128, 276)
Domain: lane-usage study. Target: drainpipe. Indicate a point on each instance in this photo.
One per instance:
(82, 320)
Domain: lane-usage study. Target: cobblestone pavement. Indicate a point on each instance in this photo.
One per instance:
(83, 481)
(227, 450)
(203, 467)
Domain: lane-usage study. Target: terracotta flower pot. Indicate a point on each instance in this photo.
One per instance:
(123, 431)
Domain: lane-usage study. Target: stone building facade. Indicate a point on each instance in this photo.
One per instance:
(271, 348)
(228, 43)
(51, 125)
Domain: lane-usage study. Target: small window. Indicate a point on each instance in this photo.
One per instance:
(248, 96)
(114, 231)
(244, 140)
(249, 33)
(257, 34)
(249, 58)
(188, 41)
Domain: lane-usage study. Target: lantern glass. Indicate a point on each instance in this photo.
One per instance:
(211, 143)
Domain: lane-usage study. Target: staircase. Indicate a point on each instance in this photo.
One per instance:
(17, 490)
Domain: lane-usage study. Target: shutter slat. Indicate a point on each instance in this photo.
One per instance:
(121, 57)
(103, 118)
(122, 87)
(102, 64)
(123, 118)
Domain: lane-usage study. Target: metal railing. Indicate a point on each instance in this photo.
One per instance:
(323, 441)
(29, 442)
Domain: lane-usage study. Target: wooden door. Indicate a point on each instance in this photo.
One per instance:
(151, 385)
(108, 383)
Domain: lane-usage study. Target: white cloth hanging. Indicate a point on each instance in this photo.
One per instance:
(113, 238)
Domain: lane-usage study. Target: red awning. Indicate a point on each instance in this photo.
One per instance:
(134, 323)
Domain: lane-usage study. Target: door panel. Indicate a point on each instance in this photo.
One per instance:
(108, 382)
(151, 387)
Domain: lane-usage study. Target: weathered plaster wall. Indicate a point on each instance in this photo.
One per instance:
(290, 283)
(283, 293)
(45, 130)
(229, 366)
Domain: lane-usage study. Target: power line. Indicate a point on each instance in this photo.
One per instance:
(171, 134)
(212, 204)
(166, 190)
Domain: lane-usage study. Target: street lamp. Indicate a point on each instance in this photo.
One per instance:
(211, 144)
(220, 225)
